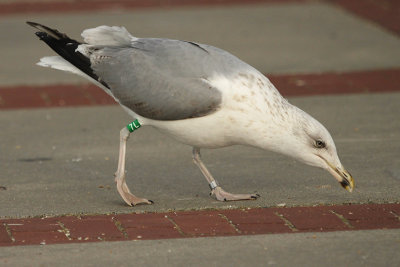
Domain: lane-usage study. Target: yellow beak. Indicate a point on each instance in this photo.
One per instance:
(348, 181)
(344, 177)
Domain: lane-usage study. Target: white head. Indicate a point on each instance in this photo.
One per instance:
(309, 141)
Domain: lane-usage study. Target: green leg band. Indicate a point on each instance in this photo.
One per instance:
(133, 125)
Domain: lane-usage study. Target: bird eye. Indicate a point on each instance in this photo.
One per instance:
(319, 144)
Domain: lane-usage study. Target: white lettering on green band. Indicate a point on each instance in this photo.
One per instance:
(133, 125)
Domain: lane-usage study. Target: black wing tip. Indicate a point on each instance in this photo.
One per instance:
(39, 26)
(41, 35)
(66, 48)
(33, 24)
(49, 31)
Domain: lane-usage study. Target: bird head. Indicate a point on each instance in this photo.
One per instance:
(312, 144)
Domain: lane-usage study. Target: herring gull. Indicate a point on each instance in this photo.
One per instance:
(198, 94)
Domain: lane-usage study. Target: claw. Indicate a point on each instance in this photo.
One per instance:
(143, 201)
(222, 195)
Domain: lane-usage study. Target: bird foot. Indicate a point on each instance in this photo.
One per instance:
(222, 195)
(126, 194)
(133, 200)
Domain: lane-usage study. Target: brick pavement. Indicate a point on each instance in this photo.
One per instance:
(188, 224)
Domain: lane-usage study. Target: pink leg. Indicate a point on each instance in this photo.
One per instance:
(216, 190)
(122, 187)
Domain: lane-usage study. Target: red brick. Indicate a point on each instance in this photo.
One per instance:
(197, 223)
(202, 223)
(74, 95)
(98, 96)
(135, 220)
(92, 228)
(394, 208)
(52, 96)
(35, 231)
(64, 95)
(256, 221)
(33, 225)
(5, 240)
(337, 83)
(384, 12)
(36, 238)
(148, 226)
(20, 97)
(151, 233)
(312, 219)
(372, 216)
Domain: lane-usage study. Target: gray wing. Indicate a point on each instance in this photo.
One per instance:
(164, 79)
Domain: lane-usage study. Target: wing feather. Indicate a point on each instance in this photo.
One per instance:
(163, 79)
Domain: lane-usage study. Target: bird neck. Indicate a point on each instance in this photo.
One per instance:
(272, 130)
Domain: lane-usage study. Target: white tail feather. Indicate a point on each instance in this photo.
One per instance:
(109, 36)
(57, 62)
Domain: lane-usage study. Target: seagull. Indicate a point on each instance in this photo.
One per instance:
(198, 94)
